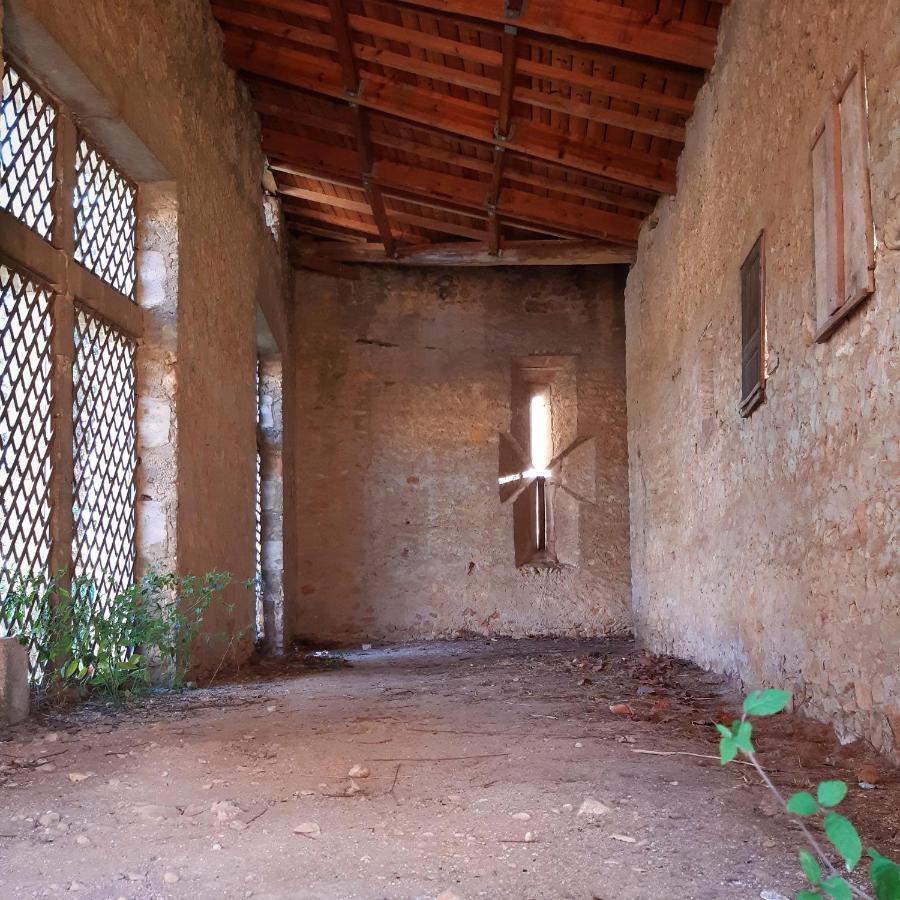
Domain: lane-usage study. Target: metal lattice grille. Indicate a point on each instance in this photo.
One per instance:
(104, 455)
(104, 219)
(26, 431)
(27, 143)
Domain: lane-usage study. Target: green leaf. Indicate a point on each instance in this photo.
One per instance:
(766, 703)
(727, 750)
(802, 804)
(844, 838)
(70, 669)
(838, 888)
(830, 793)
(885, 877)
(811, 868)
(742, 736)
(725, 732)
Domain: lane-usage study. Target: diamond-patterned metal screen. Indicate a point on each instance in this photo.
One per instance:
(27, 144)
(104, 455)
(26, 431)
(104, 219)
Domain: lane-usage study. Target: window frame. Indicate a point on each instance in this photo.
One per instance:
(757, 394)
(52, 261)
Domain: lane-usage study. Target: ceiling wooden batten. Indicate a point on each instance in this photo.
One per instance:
(503, 126)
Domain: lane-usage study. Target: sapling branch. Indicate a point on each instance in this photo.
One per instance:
(810, 837)
(884, 875)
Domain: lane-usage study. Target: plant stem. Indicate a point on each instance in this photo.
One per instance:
(810, 837)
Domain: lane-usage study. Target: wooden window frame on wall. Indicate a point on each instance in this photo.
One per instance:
(753, 397)
(843, 228)
(52, 261)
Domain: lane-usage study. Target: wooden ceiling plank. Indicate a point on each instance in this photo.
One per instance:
(320, 171)
(448, 114)
(383, 56)
(466, 192)
(597, 23)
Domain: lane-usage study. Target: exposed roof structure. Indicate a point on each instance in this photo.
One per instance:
(470, 131)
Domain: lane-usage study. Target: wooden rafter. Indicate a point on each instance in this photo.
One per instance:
(502, 130)
(352, 87)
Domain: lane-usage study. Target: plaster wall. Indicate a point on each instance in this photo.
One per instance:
(767, 546)
(158, 66)
(404, 384)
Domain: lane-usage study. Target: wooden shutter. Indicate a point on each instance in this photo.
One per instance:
(753, 329)
(858, 238)
(842, 207)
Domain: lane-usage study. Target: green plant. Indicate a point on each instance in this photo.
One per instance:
(825, 880)
(112, 642)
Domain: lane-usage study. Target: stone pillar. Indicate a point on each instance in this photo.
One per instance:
(14, 692)
(156, 372)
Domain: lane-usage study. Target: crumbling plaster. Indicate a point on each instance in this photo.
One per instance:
(404, 384)
(159, 64)
(767, 546)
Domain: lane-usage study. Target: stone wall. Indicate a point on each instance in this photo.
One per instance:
(767, 546)
(158, 66)
(403, 386)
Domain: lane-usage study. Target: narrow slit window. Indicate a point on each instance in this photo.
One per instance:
(541, 451)
(27, 146)
(104, 219)
(26, 432)
(104, 455)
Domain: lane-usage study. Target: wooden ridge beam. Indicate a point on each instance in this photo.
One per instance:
(457, 117)
(516, 253)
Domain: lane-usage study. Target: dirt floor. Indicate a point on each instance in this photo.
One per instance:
(479, 754)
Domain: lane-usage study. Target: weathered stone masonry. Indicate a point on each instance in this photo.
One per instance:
(767, 546)
(206, 260)
(404, 384)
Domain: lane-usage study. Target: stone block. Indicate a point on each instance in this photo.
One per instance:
(14, 690)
